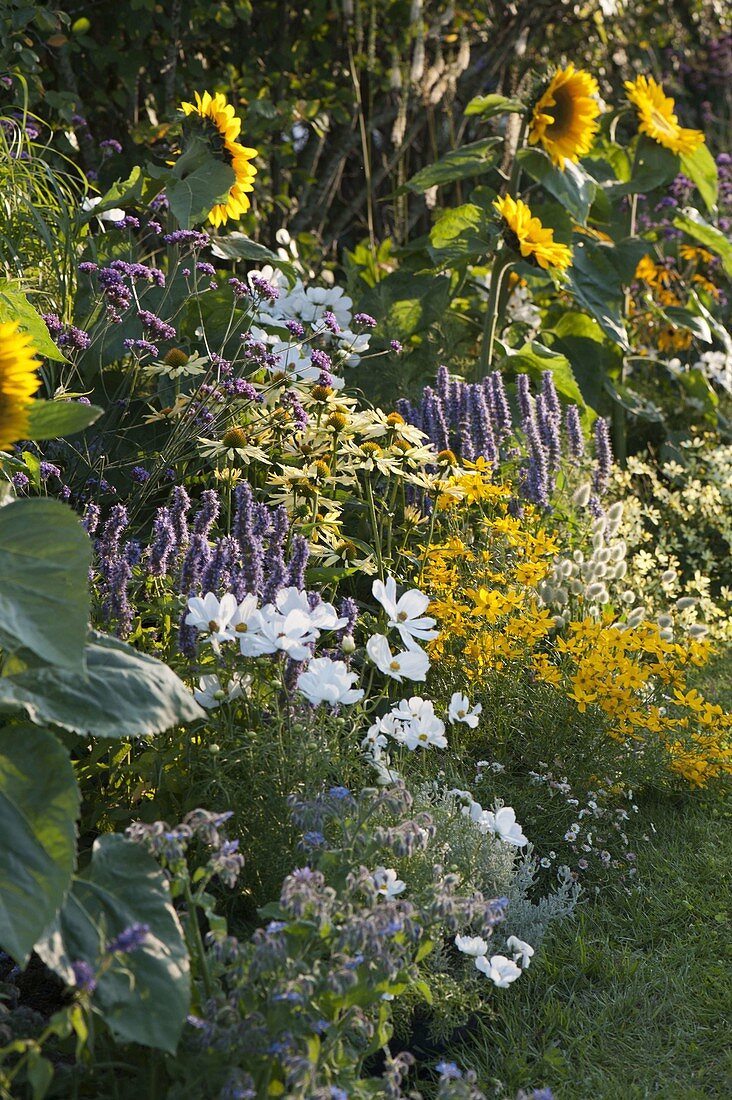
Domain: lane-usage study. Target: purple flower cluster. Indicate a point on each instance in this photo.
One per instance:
(66, 336)
(192, 237)
(157, 329)
(260, 556)
(117, 294)
(474, 420)
(113, 564)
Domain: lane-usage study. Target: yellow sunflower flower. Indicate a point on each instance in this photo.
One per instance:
(564, 119)
(18, 382)
(657, 119)
(215, 110)
(529, 237)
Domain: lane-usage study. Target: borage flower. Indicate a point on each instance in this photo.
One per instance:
(657, 118)
(527, 236)
(564, 119)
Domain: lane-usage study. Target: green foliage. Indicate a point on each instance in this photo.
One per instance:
(123, 693)
(44, 561)
(14, 305)
(39, 803)
(144, 996)
(695, 225)
(52, 419)
(463, 163)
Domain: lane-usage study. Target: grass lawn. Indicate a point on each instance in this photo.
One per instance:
(633, 998)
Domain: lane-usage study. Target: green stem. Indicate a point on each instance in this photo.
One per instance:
(198, 948)
(501, 264)
(374, 527)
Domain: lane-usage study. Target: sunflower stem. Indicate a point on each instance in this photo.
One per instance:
(501, 264)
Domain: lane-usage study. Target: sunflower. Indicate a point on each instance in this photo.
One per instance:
(657, 119)
(217, 113)
(564, 119)
(18, 382)
(528, 236)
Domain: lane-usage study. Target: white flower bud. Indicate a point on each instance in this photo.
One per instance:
(620, 570)
(595, 592)
(686, 601)
(665, 621)
(348, 645)
(698, 630)
(668, 576)
(628, 596)
(615, 513)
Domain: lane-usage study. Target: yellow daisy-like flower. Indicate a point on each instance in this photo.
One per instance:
(657, 119)
(18, 382)
(529, 237)
(564, 120)
(215, 110)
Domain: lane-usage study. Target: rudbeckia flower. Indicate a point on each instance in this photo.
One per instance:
(564, 119)
(18, 382)
(221, 123)
(527, 236)
(657, 118)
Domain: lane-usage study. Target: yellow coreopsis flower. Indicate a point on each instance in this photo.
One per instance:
(215, 111)
(564, 119)
(529, 237)
(657, 118)
(18, 382)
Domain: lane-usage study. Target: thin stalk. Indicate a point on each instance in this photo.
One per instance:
(501, 265)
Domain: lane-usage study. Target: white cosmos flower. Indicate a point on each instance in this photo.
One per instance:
(461, 711)
(212, 616)
(112, 215)
(292, 633)
(413, 722)
(317, 300)
(386, 882)
(245, 626)
(407, 613)
(504, 825)
(423, 734)
(520, 950)
(499, 969)
(375, 740)
(323, 616)
(210, 693)
(326, 681)
(412, 664)
(471, 945)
